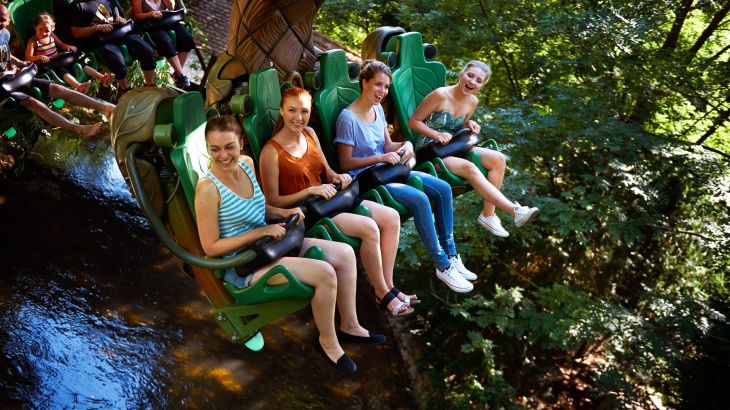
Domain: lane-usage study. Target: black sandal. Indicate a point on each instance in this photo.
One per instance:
(410, 299)
(398, 311)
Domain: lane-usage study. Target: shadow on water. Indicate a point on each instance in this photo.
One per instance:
(95, 313)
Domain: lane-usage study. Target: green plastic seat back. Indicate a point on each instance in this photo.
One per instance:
(413, 78)
(23, 14)
(190, 155)
(337, 92)
(265, 99)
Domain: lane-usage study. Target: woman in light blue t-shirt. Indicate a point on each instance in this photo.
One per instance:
(363, 141)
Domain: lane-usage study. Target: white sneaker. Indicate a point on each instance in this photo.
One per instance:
(459, 265)
(493, 225)
(453, 279)
(524, 214)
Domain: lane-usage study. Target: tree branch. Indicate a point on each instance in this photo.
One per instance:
(724, 115)
(709, 30)
(670, 43)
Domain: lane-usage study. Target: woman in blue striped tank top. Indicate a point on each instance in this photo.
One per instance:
(231, 210)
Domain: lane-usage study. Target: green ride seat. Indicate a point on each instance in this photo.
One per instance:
(413, 79)
(23, 13)
(165, 188)
(258, 124)
(338, 91)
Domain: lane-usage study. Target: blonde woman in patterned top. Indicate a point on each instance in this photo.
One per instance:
(445, 111)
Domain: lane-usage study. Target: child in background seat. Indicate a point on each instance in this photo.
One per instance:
(44, 46)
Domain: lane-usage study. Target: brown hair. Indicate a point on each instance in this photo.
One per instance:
(291, 92)
(224, 123)
(370, 68)
(45, 18)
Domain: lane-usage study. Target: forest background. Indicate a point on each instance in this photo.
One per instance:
(614, 115)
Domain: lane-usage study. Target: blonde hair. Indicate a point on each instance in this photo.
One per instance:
(480, 65)
(372, 67)
(45, 18)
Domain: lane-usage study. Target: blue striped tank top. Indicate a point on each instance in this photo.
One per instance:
(238, 215)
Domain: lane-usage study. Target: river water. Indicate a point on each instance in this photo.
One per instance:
(95, 313)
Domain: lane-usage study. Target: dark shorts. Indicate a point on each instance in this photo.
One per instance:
(22, 94)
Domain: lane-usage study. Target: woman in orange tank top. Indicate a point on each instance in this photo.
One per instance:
(293, 168)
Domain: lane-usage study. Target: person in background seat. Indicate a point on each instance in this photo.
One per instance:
(90, 18)
(9, 65)
(175, 52)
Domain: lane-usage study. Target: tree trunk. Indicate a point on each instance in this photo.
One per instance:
(670, 43)
(709, 30)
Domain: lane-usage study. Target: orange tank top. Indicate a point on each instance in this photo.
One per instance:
(298, 173)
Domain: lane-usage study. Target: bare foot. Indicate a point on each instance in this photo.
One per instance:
(107, 79)
(108, 110)
(83, 87)
(88, 131)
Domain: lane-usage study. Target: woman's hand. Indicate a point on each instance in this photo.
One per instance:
(45, 59)
(157, 14)
(343, 179)
(326, 191)
(406, 152)
(443, 138)
(276, 231)
(69, 47)
(389, 158)
(120, 20)
(285, 212)
(474, 127)
(104, 27)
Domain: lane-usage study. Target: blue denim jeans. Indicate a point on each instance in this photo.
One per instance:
(418, 203)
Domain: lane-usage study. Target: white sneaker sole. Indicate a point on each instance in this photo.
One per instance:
(494, 232)
(454, 288)
(469, 277)
(528, 218)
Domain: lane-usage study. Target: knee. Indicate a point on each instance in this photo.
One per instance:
(371, 232)
(472, 171)
(497, 161)
(391, 220)
(329, 276)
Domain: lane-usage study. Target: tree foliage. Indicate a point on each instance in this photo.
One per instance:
(618, 295)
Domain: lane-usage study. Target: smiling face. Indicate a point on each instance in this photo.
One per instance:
(224, 148)
(43, 30)
(376, 88)
(472, 80)
(295, 112)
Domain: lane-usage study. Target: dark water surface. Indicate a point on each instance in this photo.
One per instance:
(95, 313)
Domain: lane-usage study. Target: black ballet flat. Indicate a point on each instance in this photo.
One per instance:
(370, 339)
(344, 363)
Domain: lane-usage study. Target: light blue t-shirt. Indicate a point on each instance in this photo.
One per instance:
(366, 139)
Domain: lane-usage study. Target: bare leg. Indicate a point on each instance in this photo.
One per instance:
(57, 120)
(75, 98)
(149, 78)
(321, 276)
(105, 79)
(342, 258)
(496, 163)
(183, 57)
(175, 64)
(491, 194)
